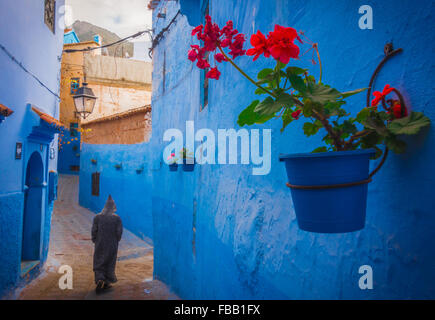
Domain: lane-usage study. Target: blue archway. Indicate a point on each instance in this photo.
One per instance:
(33, 204)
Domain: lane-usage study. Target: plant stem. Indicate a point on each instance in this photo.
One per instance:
(335, 137)
(244, 74)
(358, 135)
(315, 46)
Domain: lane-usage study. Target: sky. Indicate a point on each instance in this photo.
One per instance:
(123, 17)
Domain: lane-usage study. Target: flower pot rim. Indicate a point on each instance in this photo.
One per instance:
(371, 151)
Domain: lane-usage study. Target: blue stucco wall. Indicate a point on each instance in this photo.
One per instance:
(67, 155)
(130, 190)
(24, 34)
(222, 233)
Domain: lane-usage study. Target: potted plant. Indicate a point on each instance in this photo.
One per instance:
(118, 166)
(140, 170)
(328, 185)
(188, 160)
(172, 162)
(94, 161)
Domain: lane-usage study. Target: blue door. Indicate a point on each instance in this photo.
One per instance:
(31, 245)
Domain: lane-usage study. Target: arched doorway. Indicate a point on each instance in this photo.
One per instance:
(33, 205)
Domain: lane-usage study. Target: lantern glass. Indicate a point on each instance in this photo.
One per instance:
(78, 102)
(89, 104)
(84, 101)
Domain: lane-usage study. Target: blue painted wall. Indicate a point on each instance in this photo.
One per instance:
(69, 154)
(24, 34)
(222, 233)
(130, 189)
(70, 37)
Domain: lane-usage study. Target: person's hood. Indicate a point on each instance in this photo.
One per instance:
(109, 207)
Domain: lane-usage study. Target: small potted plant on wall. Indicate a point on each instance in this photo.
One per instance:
(328, 185)
(140, 169)
(94, 161)
(118, 166)
(172, 162)
(188, 160)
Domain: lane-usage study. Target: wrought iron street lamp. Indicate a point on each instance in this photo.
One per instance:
(84, 100)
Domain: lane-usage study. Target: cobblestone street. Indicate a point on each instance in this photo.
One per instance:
(70, 244)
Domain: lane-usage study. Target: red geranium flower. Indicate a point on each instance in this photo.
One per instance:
(192, 55)
(281, 44)
(213, 37)
(397, 111)
(259, 42)
(296, 114)
(381, 95)
(219, 57)
(214, 73)
(236, 46)
(202, 64)
(197, 29)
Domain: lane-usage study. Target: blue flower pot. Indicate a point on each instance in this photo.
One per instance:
(329, 210)
(173, 167)
(188, 167)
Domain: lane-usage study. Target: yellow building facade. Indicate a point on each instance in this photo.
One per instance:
(72, 77)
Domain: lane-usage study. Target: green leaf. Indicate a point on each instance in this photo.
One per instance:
(285, 99)
(310, 78)
(319, 149)
(264, 73)
(249, 116)
(370, 140)
(297, 83)
(346, 94)
(327, 139)
(376, 124)
(409, 125)
(295, 70)
(384, 116)
(334, 109)
(398, 146)
(286, 118)
(307, 109)
(363, 115)
(269, 106)
(320, 93)
(312, 128)
(348, 127)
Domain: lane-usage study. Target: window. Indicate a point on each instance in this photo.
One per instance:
(50, 13)
(75, 84)
(204, 80)
(96, 184)
(73, 126)
(74, 168)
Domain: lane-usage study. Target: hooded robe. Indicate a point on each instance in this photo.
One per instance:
(106, 233)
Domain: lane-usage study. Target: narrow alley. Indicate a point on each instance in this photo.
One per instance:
(70, 244)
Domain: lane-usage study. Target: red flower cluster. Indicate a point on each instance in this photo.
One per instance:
(296, 114)
(397, 111)
(396, 108)
(279, 43)
(214, 37)
(379, 96)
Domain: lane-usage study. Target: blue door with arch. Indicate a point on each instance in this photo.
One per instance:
(33, 208)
